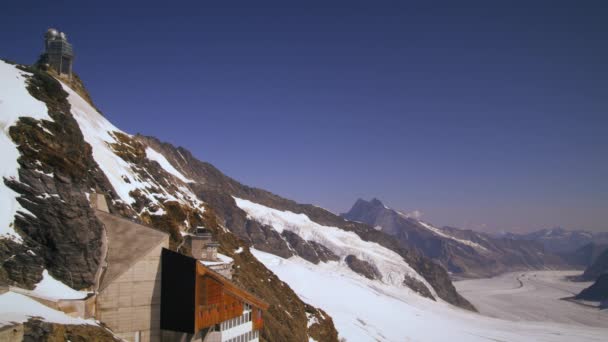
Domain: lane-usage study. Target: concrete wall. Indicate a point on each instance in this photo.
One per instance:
(130, 305)
(99, 201)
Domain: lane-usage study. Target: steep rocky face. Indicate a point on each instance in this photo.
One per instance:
(56, 170)
(597, 268)
(362, 267)
(596, 292)
(36, 330)
(464, 253)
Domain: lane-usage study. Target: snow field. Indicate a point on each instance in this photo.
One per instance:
(390, 264)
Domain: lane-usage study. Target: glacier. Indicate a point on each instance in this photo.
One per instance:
(372, 310)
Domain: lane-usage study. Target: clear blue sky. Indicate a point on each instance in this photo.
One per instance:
(481, 115)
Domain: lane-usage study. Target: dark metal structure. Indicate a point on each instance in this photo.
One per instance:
(59, 52)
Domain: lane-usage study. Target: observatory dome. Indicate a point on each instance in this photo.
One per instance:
(51, 33)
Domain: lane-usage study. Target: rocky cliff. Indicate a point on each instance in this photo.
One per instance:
(598, 268)
(597, 292)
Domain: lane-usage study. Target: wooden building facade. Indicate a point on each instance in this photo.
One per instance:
(198, 301)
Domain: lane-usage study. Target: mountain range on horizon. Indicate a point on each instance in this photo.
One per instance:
(558, 232)
(464, 253)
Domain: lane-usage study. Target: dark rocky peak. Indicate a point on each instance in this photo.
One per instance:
(364, 268)
(377, 203)
(596, 292)
(362, 206)
(378, 215)
(365, 211)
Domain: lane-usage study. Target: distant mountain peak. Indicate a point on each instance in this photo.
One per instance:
(462, 252)
(379, 204)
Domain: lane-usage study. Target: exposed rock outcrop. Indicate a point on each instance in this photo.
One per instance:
(597, 292)
(36, 330)
(417, 286)
(56, 171)
(363, 267)
(597, 269)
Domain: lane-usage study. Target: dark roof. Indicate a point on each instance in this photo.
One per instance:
(127, 243)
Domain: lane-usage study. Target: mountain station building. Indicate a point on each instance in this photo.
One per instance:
(146, 292)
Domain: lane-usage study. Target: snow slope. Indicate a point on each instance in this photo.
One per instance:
(52, 289)
(164, 163)
(101, 134)
(17, 308)
(442, 234)
(365, 310)
(342, 243)
(15, 102)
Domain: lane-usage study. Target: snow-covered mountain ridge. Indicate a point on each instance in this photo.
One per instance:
(464, 253)
(341, 243)
(560, 240)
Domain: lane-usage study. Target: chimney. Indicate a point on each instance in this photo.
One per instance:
(203, 246)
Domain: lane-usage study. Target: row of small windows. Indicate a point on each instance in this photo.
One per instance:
(248, 336)
(233, 322)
